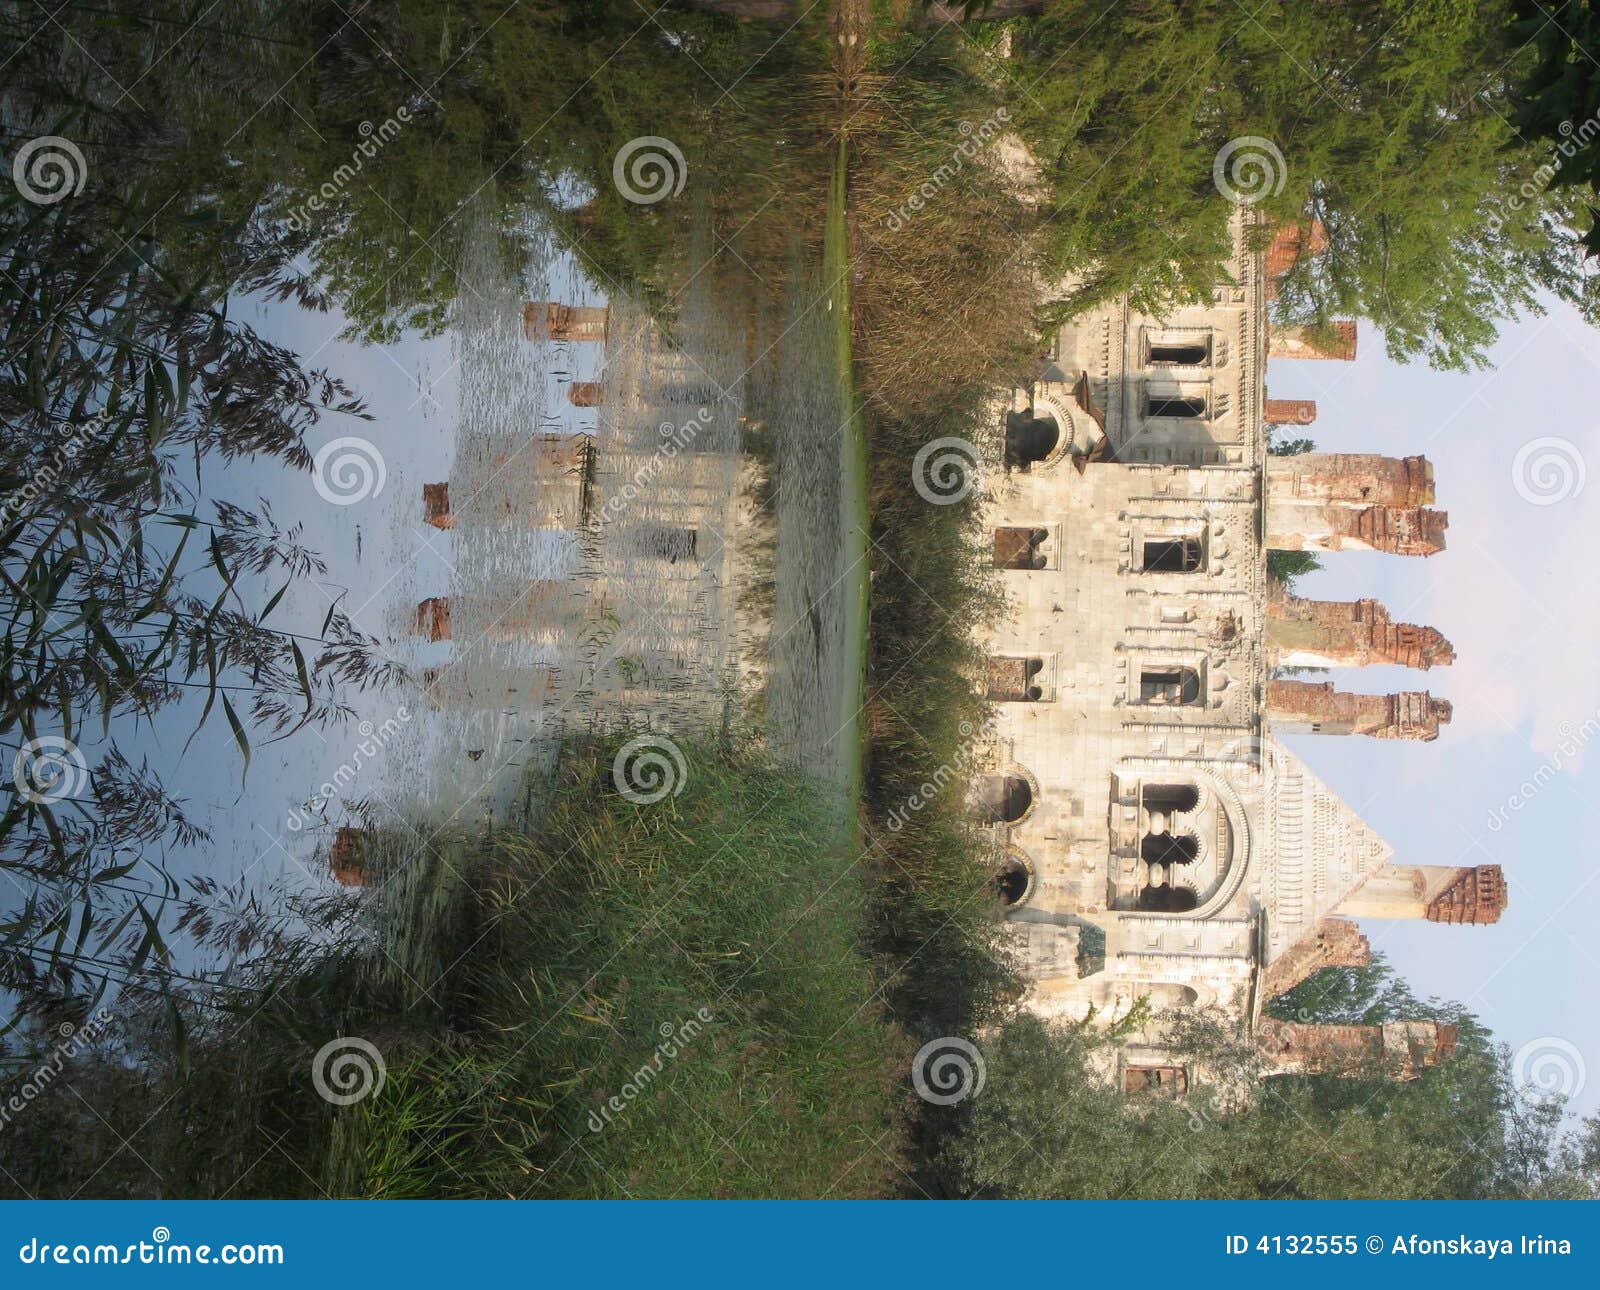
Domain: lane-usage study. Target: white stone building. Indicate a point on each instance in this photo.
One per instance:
(1157, 842)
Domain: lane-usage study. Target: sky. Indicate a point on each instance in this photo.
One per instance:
(1514, 780)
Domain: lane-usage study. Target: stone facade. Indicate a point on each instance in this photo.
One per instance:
(1153, 840)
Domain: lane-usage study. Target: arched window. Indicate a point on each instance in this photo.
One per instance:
(1170, 799)
(1012, 880)
(1003, 799)
(1168, 900)
(1029, 439)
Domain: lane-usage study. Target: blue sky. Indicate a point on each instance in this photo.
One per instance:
(1514, 593)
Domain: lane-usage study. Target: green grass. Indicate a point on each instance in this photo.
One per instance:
(853, 467)
(622, 999)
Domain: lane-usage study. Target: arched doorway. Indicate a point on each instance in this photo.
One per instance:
(1003, 799)
(1013, 880)
(1030, 439)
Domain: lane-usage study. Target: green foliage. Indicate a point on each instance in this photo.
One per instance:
(1047, 1124)
(1391, 123)
(1558, 101)
(123, 593)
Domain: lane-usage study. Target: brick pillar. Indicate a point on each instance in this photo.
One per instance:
(1336, 341)
(1290, 412)
(347, 857)
(520, 613)
(436, 505)
(551, 320)
(1308, 707)
(1336, 942)
(1357, 478)
(1335, 526)
(1400, 1050)
(1291, 243)
(433, 618)
(1353, 633)
(1437, 893)
(585, 394)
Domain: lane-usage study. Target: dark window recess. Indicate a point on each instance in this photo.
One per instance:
(1170, 798)
(1169, 848)
(1169, 1080)
(1011, 680)
(1183, 353)
(1174, 405)
(1178, 685)
(1016, 548)
(1172, 555)
(1029, 439)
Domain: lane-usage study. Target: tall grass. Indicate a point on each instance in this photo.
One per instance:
(619, 1000)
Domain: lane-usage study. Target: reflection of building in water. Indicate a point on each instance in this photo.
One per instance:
(1152, 838)
(600, 562)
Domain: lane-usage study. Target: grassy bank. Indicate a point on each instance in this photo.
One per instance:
(853, 463)
(623, 1000)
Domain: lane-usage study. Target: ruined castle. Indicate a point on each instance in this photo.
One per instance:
(1153, 839)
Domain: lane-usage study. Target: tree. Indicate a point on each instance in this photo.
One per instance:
(1558, 100)
(120, 595)
(1385, 121)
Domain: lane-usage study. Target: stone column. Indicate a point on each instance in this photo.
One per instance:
(1353, 633)
(1335, 526)
(347, 857)
(436, 505)
(1359, 478)
(1306, 707)
(1437, 893)
(1290, 244)
(1336, 942)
